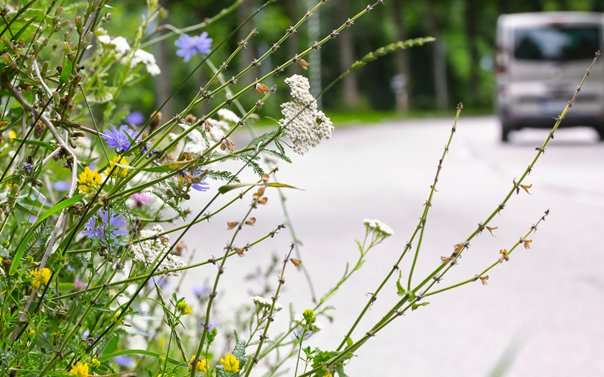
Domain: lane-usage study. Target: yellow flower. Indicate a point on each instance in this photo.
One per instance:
(12, 134)
(95, 363)
(230, 362)
(184, 308)
(201, 365)
(79, 370)
(40, 277)
(309, 316)
(89, 179)
(31, 331)
(118, 170)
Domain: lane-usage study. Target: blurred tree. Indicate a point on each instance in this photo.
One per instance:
(346, 50)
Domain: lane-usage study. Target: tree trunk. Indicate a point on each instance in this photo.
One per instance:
(401, 59)
(248, 54)
(439, 62)
(293, 42)
(470, 23)
(351, 88)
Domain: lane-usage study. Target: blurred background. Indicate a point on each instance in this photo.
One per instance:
(540, 314)
(459, 66)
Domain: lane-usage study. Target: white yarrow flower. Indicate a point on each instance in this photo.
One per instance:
(143, 57)
(148, 251)
(304, 124)
(375, 225)
(228, 116)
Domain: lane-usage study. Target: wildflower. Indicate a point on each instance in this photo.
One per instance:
(200, 290)
(195, 178)
(135, 118)
(527, 244)
(12, 135)
(121, 140)
(200, 365)
(118, 170)
(505, 255)
(147, 59)
(118, 44)
(124, 361)
(105, 228)
(31, 331)
(228, 116)
(263, 303)
(183, 307)
(62, 185)
(77, 284)
(304, 124)
(378, 227)
(79, 370)
(230, 363)
(40, 277)
(189, 46)
(95, 363)
(140, 199)
(153, 247)
(309, 316)
(88, 180)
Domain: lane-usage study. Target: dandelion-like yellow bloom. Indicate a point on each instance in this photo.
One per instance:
(200, 365)
(79, 370)
(309, 316)
(40, 277)
(184, 308)
(89, 179)
(118, 170)
(230, 363)
(12, 134)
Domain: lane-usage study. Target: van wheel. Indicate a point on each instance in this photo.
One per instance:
(505, 135)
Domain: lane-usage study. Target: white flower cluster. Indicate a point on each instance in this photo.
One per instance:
(263, 303)
(148, 251)
(121, 48)
(375, 225)
(304, 124)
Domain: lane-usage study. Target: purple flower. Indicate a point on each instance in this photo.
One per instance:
(200, 290)
(124, 361)
(61, 186)
(140, 198)
(105, 228)
(78, 284)
(120, 139)
(189, 46)
(135, 118)
(197, 178)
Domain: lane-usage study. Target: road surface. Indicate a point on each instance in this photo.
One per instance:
(542, 310)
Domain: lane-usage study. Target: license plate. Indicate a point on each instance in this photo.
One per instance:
(552, 106)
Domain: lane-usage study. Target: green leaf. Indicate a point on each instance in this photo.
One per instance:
(28, 236)
(111, 346)
(156, 355)
(36, 142)
(399, 287)
(66, 71)
(226, 188)
(419, 305)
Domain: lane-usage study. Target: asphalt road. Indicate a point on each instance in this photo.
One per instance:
(542, 311)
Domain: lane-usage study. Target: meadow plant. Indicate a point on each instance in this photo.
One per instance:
(91, 188)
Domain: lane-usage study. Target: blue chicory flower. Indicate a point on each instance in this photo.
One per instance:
(200, 290)
(189, 46)
(120, 139)
(61, 185)
(135, 118)
(200, 183)
(124, 361)
(105, 228)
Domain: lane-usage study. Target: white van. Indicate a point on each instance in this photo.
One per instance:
(541, 58)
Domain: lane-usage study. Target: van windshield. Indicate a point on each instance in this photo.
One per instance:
(556, 42)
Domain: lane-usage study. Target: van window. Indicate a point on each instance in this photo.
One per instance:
(556, 42)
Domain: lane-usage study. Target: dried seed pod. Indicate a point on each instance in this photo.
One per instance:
(303, 64)
(296, 262)
(232, 224)
(262, 88)
(483, 279)
(251, 221)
